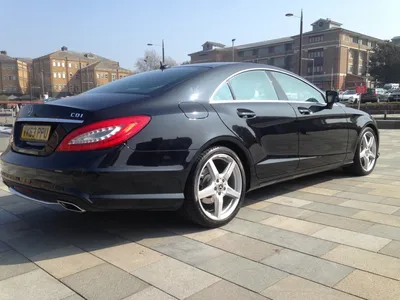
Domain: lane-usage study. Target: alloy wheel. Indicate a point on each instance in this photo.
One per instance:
(219, 187)
(368, 151)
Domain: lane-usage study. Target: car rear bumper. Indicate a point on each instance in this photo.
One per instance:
(132, 188)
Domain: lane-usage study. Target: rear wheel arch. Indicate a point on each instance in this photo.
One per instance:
(237, 147)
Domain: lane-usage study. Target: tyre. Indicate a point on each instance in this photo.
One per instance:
(366, 153)
(215, 188)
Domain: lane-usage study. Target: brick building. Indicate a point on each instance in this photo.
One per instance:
(340, 56)
(14, 74)
(66, 72)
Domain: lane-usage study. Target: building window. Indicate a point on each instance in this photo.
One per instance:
(76, 66)
(113, 77)
(69, 65)
(316, 39)
(59, 75)
(106, 75)
(77, 75)
(63, 64)
(316, 53)
(63, 75)
(98, 76)
(241, 53)
(288, 47)
(255, 52)
(354, 39)
(5, 77)
(10, 77)
(58, 64)
(55, 75)
(102, 75)
(271, 49)
(14, 77)
(54, 63)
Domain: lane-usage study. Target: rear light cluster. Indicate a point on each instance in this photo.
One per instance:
(103, 134)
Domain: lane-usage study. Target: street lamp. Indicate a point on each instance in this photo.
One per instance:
(162, 47)
(301, 36)
(233, 49)
(309, 59)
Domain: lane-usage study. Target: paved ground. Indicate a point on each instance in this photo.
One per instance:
(323, 237)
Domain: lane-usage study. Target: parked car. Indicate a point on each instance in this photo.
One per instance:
(391, 86)
(374, 95)
(394, 95)
(349, 96)
(193, 138)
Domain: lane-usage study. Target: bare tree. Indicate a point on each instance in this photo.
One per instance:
(151, 61)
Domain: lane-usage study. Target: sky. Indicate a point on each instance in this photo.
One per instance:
(121, 29)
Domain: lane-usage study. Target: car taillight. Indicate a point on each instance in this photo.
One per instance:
(103, 134)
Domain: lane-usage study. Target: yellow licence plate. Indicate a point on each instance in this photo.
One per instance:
(35, 133)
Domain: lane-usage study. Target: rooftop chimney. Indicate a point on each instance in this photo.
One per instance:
(3, 52)
(63, 48)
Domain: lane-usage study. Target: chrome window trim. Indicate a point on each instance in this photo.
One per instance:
(49, 120)
(211, 101)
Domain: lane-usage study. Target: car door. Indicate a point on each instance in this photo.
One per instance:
(248, 105)
(323, 132)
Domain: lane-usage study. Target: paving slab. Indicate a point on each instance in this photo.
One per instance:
(6, 217)
(104, 282)
(150, 293)
(129, 257)
(297, 288)
(392, 249)
(253, 215)
(365, 260)
(33, 285)
(12, 264)
(351, 238)
(244, 246)
(224, 290)
(370, 286)
(332, 209)
(340, 222)
(176, 278)
(385, 231)
(251, 275)
(66, 261)
(184, 249)
(288, 211)
(279, 237)
(292, 224)
(309, 267)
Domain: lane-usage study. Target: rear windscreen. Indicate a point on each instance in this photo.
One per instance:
(149, 82)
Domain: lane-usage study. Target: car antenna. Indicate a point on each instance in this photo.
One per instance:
(163, 66)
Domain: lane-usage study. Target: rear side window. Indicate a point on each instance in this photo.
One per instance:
(149, 82)
(223, 93)
(253, 85)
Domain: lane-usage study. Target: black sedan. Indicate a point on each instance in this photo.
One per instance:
(193, 138)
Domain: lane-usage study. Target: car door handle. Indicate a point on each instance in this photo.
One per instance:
(304, 111)
(245, 113)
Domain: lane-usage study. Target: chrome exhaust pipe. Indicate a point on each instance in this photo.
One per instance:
(70, 206)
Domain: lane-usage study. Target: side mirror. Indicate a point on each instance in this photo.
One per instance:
(331, 97)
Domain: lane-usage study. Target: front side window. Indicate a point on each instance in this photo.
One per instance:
(253, 85)
(297, 90)
(223, 93)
